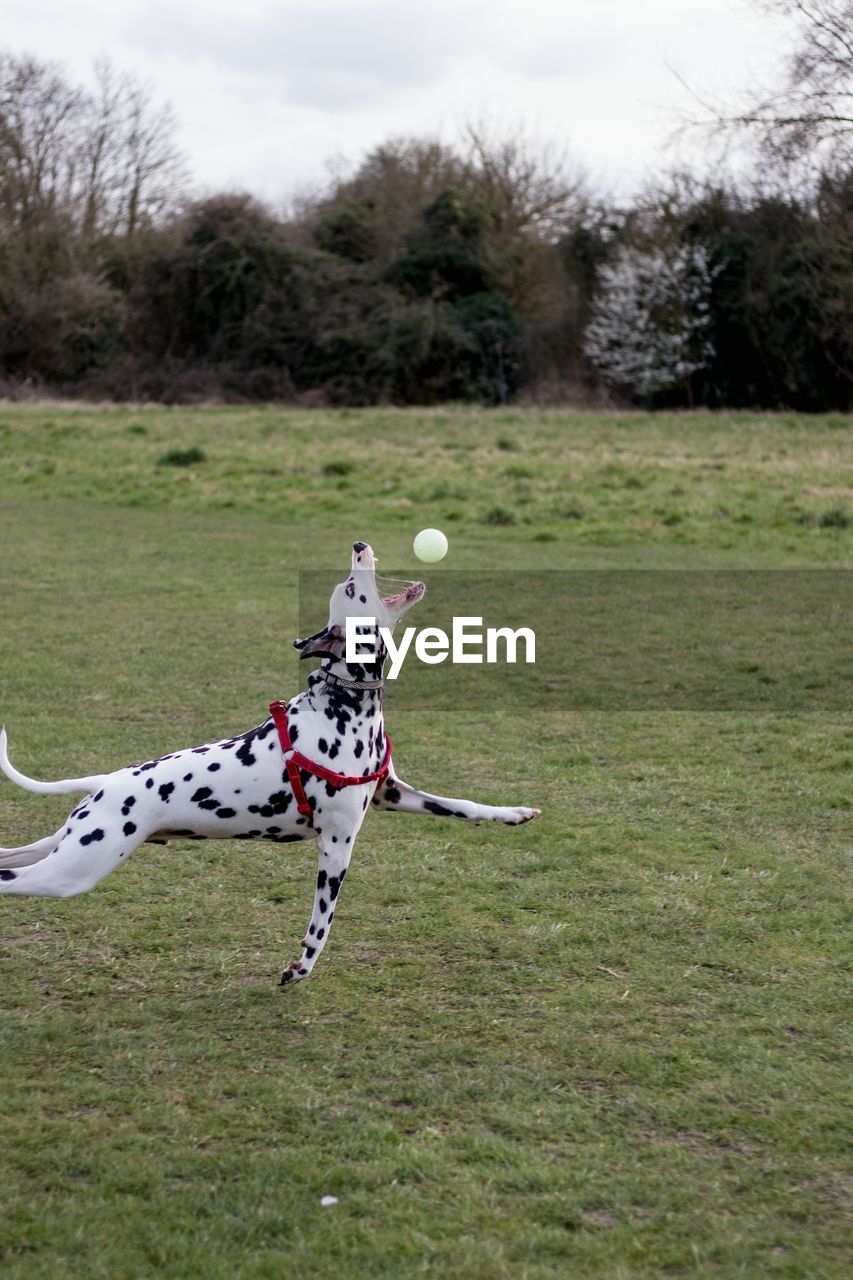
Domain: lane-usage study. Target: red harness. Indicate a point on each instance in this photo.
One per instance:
(294, 761)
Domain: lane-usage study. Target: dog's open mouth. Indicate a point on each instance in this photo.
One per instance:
(410, 592)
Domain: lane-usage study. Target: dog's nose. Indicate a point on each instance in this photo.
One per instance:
(358, 546)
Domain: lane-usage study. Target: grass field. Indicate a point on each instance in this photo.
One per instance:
(607, 1044)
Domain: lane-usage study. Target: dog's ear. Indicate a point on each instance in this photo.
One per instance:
(328, 643)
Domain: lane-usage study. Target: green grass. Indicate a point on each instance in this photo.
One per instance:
(606, 1044)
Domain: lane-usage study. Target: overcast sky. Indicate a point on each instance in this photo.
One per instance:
(268, 92)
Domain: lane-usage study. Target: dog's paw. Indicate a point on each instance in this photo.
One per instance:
(294, 972)
(518, 815)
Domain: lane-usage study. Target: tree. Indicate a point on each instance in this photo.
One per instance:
(132, 173)
(372, 213)
(40, 115)
(808, 116)
(650, 318)
(781, 298)
(474, 328)
(102, 163)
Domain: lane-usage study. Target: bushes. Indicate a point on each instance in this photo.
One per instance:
(429, 275)
(60, 332)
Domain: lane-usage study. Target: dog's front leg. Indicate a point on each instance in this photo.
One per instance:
(399, 796)
(334, 850)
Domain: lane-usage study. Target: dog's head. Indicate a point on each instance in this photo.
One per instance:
(360, 596)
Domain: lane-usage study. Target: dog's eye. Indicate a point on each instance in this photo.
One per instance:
(350, 589)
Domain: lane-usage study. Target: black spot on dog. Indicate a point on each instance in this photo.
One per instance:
(211, 768)
(150, 783)
(321, 879)
(98, 797)
(359, 747)
(392, 793)
(226, 813)
(129, 828)
(434, 806)
(323, 747)
(97, 834)
(83, 813)
(334, 749)
(128, 805)
(245, 755)
(310, 952)
(277, 803)
(324, 907)
(7, 875)
(200, 751)
(165, 791)
(334, 886)
(152, 764)
(204, 798)
(363, 599)
(294, 732)
(331, 790)
(187, 777)
(321, 933)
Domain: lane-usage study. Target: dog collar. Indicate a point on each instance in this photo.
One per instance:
(349, 684)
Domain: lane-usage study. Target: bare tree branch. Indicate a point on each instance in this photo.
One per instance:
(809, 115)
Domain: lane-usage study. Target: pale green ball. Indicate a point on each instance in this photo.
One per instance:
(430, 545)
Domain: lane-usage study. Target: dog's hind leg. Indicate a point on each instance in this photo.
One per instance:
(83, 856)
(26, 854)
(399, 796)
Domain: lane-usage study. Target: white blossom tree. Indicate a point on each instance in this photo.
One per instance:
(650, 318)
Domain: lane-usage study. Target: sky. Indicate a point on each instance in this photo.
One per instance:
(270, 95)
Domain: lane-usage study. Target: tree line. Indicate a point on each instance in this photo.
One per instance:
(483, 271)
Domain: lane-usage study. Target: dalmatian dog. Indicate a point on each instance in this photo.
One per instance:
(310, 771)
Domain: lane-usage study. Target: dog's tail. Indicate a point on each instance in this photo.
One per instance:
(45, 788)
(26, 854)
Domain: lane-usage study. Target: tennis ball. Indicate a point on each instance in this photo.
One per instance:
(430, 545)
